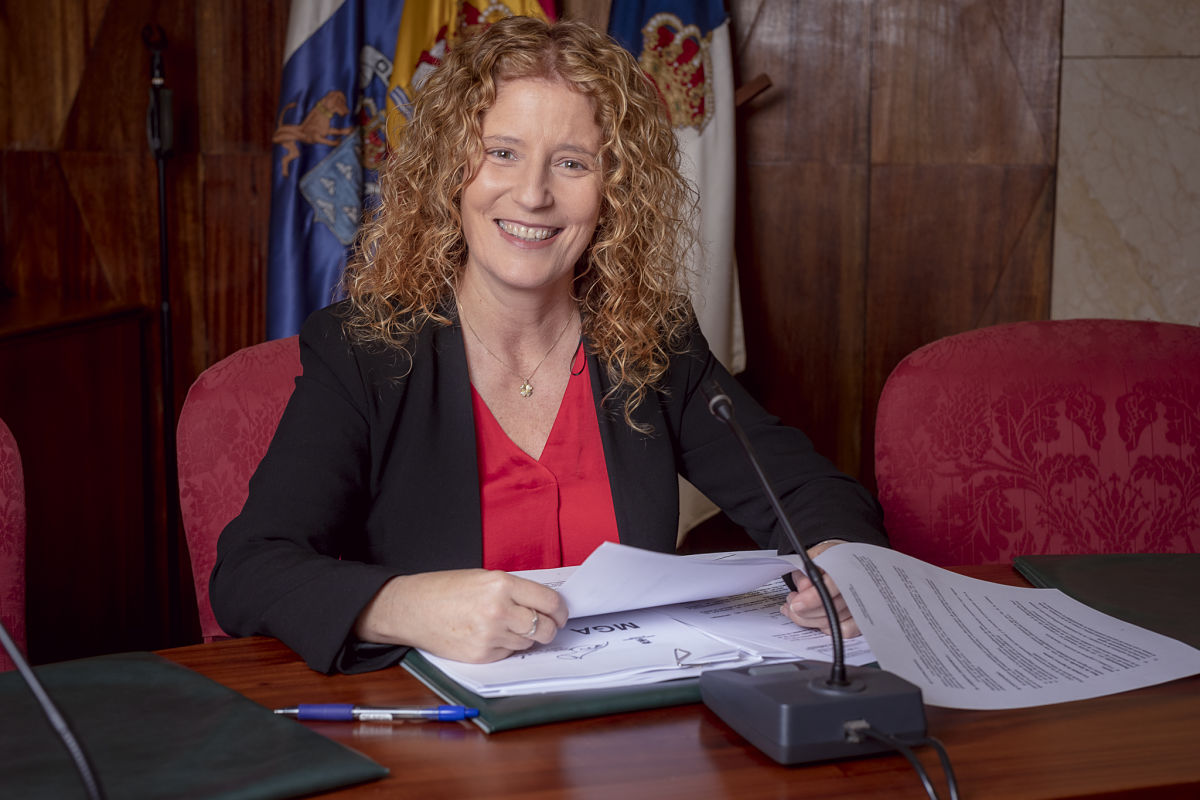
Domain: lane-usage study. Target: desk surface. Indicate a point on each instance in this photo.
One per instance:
(1141, 743)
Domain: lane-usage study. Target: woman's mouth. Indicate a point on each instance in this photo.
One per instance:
(526, 232)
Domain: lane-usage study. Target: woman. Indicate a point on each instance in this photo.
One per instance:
(512, 380)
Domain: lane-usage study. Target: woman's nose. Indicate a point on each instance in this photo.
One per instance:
(533, 186)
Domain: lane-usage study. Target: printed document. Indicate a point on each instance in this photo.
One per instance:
(753, 621)
(624, 643)
(617, 577)
(966, 643)
(973, 644)
(619, 649)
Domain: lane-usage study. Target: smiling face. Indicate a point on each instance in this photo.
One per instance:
(531, 208)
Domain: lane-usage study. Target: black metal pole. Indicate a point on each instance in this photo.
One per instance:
(160, 135)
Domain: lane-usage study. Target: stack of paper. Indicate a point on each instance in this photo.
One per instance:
(752, 620)
(606, 650)
(642, 629)
(965, 643)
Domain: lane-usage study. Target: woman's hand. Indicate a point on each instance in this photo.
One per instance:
(470, 615)
(804, 608)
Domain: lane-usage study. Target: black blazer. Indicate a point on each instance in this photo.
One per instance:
(372, 473)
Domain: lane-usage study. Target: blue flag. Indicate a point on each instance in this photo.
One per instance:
(331, 134)
(329, 141)
(628, 19)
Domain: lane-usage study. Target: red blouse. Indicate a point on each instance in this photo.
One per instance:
(552, 511)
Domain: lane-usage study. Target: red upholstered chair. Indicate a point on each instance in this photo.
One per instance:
(226, 423)
(12, 543)
(1063, 436)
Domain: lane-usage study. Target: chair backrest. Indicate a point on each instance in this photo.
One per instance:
(12, 543)
(1055, 436)
(226, 423)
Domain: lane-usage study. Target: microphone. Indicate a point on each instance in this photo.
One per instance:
(721, 407)
(79, 757)
(160, 131)
(792, 711)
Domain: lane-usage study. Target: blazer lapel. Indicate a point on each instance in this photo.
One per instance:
(641, 469)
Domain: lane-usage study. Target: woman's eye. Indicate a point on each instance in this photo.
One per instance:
(499, 152)
(572, 164)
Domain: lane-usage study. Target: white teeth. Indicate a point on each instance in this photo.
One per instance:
(524, 232)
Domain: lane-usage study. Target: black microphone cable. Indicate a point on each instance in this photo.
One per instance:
(860, 729)
(57, 721)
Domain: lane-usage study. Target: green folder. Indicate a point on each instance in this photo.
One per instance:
(1157, 591)
(505, 713)
(154, 729)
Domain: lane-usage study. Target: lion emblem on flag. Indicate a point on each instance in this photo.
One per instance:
(315, 128)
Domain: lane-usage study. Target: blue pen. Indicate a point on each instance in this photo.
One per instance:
(347, 712)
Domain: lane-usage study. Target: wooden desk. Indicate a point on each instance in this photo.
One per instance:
(1137, 744)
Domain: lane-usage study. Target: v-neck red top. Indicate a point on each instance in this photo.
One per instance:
(551, 511)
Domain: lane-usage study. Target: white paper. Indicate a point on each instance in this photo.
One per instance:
(605, 650)
(973, 644)
(664, 642)
(616, 577)
(753, 621)
(966, 643)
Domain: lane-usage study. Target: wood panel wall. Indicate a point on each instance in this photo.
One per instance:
(80, 239)
(96, 563)
(895, 185)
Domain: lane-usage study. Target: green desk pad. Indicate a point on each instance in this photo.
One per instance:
(154, 729)
(1157, 591)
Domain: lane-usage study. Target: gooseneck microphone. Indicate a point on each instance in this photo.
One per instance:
(721, 407)
(792, 711)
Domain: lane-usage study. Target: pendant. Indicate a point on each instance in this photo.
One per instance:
(526, 388)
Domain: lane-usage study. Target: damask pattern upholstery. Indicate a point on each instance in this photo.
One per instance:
(226, 423)
(12, 543)
(1054, 436)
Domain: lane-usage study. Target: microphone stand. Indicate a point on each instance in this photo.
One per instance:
(791, 711)
(160, 136)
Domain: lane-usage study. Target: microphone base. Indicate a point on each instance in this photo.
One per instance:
(791, 713)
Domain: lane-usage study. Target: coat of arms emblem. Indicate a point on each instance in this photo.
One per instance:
(677, 58)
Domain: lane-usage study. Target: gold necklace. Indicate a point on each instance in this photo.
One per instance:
(526, 382)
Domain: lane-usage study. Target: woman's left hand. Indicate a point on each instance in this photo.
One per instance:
(804, 607)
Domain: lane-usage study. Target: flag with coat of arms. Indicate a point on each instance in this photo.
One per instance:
(350, 66)
(685, 48)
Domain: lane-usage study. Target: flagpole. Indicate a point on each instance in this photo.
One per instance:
(160, 135)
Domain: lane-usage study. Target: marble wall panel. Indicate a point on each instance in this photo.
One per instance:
(1127, 230)
(1123, 28)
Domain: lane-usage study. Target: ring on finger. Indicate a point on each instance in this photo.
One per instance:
(533, 628)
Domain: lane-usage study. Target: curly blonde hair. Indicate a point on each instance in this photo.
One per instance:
(630, 283)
